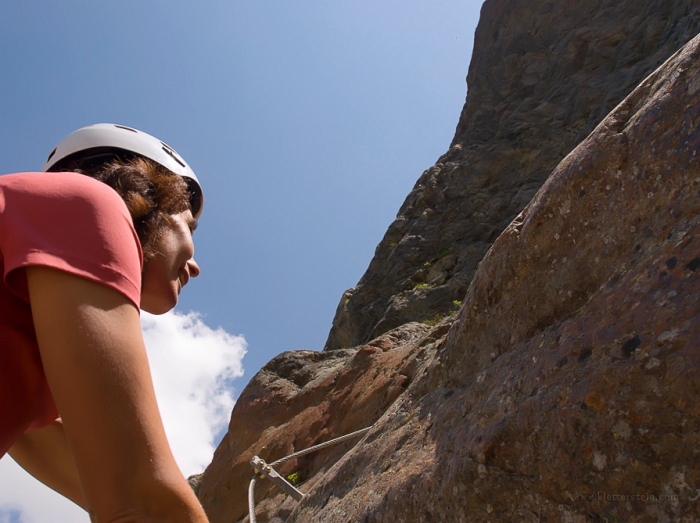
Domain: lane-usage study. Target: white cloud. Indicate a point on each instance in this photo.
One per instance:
(192, 366)
(24, 500)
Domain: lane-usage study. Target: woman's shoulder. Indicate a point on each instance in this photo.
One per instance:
(70, 222)
(64, 193)
(56, 185)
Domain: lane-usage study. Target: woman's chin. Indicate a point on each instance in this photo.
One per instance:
(159, 305)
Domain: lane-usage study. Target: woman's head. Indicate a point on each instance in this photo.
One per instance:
(152, 179)
(164, 205)
(159, 204)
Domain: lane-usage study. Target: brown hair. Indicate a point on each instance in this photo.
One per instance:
(151, 192)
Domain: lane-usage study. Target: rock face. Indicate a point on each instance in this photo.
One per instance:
(571, 371)
(565, 388)
(302, 398)
(543, 74)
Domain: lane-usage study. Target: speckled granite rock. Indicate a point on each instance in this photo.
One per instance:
(566, 389)
(543, 74)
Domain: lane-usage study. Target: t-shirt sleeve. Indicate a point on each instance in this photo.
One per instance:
(69, 222)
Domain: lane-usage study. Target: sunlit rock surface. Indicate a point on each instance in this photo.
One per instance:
(302, 398)
(565, 388)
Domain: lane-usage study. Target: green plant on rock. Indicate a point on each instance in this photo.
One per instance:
(435, 320)
(440, 253)
(293, 478)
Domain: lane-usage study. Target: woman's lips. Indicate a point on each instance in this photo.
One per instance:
(184, 278)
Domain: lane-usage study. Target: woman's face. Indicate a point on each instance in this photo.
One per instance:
(172, 266)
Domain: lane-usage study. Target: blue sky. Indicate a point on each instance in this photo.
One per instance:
(308, 123)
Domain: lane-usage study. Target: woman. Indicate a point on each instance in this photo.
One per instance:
(81, 252)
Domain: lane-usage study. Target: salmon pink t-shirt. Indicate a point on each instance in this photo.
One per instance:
(66, 221)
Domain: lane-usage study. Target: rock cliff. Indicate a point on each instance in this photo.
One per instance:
(565, 387)
(543, 74)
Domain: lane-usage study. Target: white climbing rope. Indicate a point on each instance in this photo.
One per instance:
(320, 446)
(268, 471)
(251, 500)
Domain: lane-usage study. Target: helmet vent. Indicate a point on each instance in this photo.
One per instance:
(51, 154)
(173, 155)
(125, 128)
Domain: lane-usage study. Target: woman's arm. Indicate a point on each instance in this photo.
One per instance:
(45, 455)
(95, 362)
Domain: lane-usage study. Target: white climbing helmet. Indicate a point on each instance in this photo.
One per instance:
(99, 139)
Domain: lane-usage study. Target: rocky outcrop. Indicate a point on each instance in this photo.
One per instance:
(565, 387)
(543, 74)
(301, 398)
(566, 390)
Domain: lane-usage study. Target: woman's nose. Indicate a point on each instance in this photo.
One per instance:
(193, 267)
